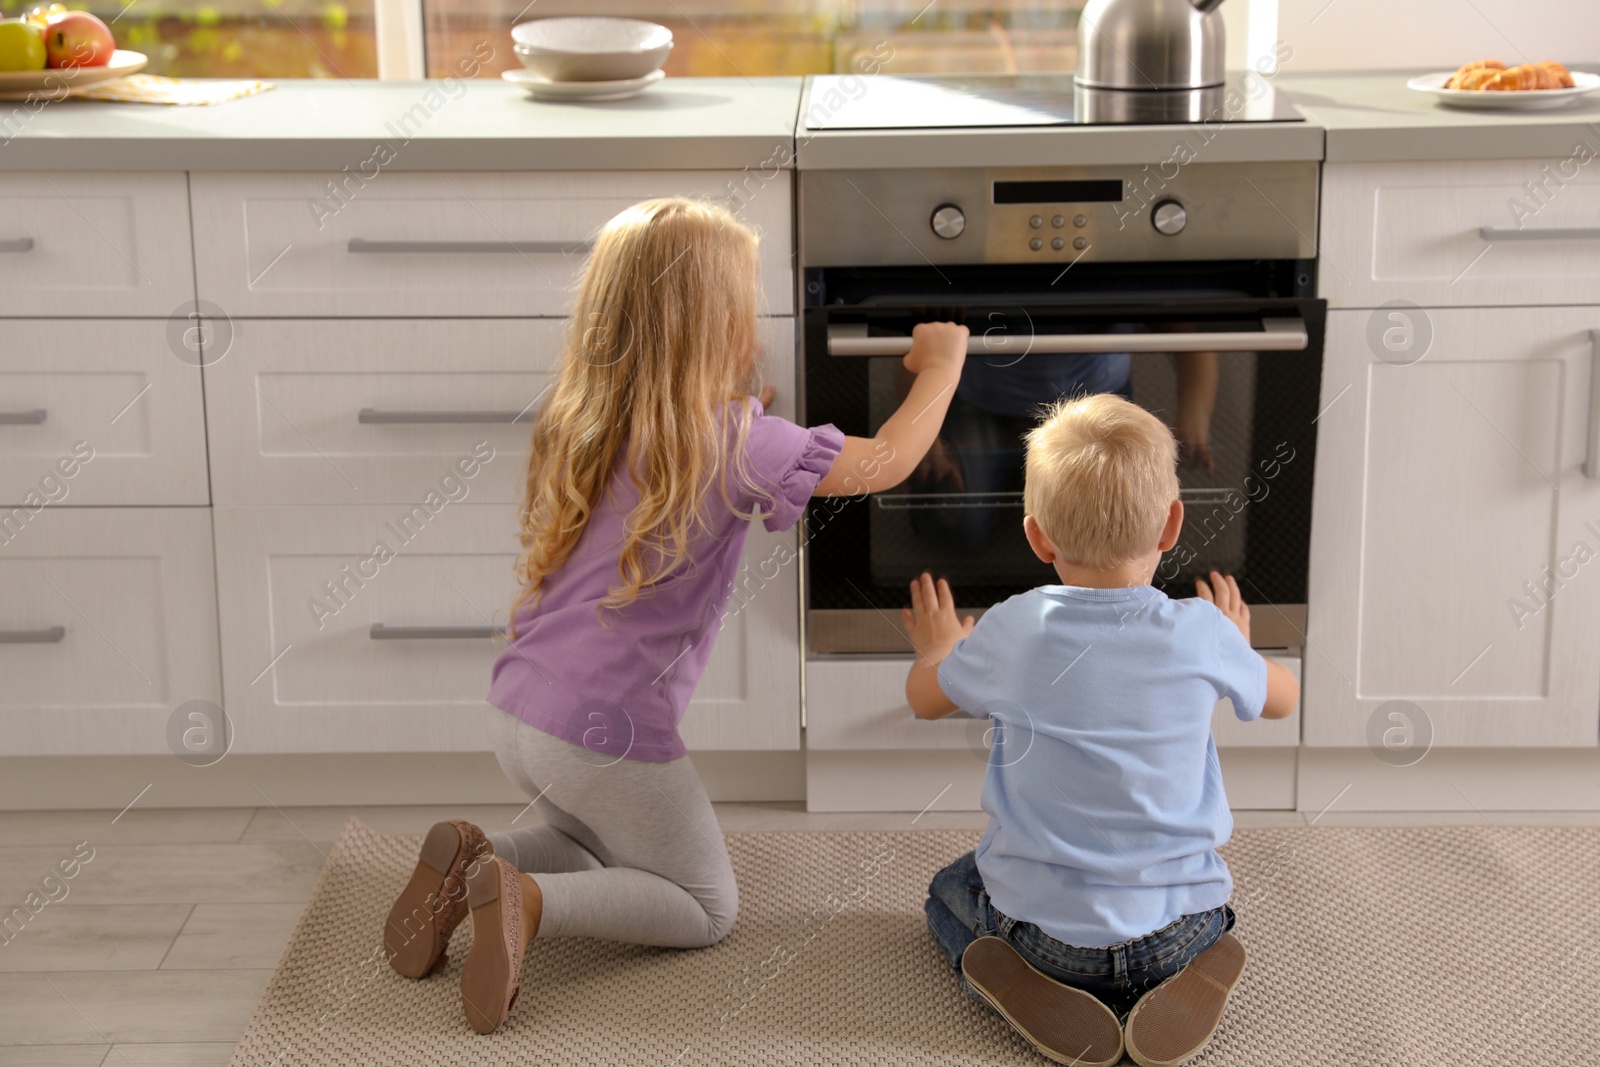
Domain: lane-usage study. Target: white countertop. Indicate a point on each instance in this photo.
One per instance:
(725, 123)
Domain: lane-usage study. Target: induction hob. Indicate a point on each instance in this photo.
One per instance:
(987, 101)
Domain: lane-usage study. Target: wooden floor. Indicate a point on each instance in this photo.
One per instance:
(161, 946)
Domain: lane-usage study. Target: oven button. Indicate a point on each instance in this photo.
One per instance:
(1036, 244)
(1080, 221)
(1170, 218)
(1036, 222)
(1058, 222)
(1080, 243)
(948, 221)
(1058, 243)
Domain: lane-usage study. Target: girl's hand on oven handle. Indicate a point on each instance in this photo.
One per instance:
(938, 351)
(933, 627)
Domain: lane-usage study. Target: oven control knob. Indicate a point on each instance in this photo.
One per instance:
(1170, 218)
(948, 221)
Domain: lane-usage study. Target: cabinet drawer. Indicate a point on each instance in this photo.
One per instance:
(91, 245)
(861, 704)
(107, 624)
(1455, 518)
(438, 244)
(301, 589)
(110, 393)
(384, 411)
(1416, 232)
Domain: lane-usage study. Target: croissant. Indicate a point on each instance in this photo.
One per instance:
(1460, 76)
(1518, 79)
(1558, 74)
(1478, 78)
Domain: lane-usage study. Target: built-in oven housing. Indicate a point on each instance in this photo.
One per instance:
(1106, 318)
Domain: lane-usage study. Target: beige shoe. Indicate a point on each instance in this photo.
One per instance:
(434, 902)
(1065, 1024)
(1176, 1019)
(489, 979)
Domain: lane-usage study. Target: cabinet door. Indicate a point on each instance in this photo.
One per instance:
(377, 411)
(301, 679)
(108, 623)
(749, 697)
(1456, 529)
(108, 392)
(410, 244)
(86, 245)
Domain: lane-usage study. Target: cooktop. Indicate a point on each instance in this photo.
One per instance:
(949, 101)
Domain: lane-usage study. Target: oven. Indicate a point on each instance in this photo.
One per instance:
(1191, 295)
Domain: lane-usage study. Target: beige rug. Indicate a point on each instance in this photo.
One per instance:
(1462, 946)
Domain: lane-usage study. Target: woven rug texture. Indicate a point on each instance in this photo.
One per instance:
(1458, 946)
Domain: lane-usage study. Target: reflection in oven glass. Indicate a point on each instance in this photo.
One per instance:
(960, 514)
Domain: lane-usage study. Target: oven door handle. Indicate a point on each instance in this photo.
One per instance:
(1275, 335)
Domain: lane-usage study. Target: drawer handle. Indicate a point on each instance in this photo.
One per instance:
(373, 417)
(1591, 462)
(23, 418)
(380, 632)
(52, 636)
(1276, 335)
(1541, 233)
(538, 248)
(17, 244)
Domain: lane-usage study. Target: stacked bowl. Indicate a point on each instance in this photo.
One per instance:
(588, 57)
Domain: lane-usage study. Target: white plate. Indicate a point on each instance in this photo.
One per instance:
(51, 83)
(1518, 99)
(545, 89)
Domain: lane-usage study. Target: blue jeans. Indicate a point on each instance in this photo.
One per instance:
(959, 912)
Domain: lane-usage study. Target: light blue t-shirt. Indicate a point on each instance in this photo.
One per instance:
(1103, 790)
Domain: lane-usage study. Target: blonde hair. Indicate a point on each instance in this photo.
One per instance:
(662, 337)
(1102, 474)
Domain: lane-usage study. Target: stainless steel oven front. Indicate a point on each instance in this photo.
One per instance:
(1190, 293)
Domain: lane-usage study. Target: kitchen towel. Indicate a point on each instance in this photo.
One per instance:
(1462, 946)
(154, 89)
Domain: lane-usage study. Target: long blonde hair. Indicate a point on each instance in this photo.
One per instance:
(662, 337)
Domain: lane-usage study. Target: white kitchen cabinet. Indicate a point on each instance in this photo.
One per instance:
(313, 411)
(304, 672)
(93, 245)
(1448, 492)
(858, 702)
(1416, 232)
(108, 393)
(429, 244)
(108, 622)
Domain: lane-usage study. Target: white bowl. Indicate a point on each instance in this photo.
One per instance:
(589, 48)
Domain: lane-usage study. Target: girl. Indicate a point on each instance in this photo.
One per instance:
(649, 459)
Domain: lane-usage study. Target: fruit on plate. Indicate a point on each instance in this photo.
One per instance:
(77, 39)
(41, 14)
(21, 46)
(1491, 75)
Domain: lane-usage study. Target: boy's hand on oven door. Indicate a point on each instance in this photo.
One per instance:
(931, 621)
(937, 346)
(1224, 593)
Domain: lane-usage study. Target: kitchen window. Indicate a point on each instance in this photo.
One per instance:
(240, 38)
(444, 38)
(751, 38)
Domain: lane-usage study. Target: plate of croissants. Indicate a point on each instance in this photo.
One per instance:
(1489, 83)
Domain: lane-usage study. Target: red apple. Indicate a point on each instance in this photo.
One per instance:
(77, 39)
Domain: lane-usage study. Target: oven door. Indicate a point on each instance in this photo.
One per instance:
(1236, 378)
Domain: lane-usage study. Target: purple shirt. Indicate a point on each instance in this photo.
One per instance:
(619, 687)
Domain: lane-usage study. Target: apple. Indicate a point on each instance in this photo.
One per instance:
(77, 39)
(21, 46)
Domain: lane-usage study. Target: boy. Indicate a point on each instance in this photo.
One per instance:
(1096, 891)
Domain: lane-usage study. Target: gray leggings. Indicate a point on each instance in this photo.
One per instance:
(629, 850)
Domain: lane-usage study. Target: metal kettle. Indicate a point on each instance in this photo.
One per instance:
(1151, 44)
